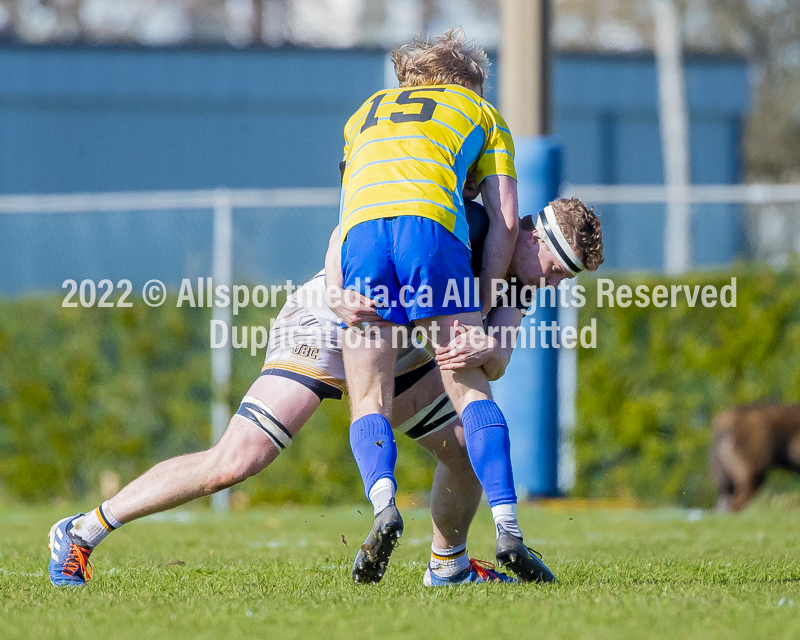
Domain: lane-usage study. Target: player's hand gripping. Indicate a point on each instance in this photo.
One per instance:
(471, 347)
(354, 309)
(350, 306)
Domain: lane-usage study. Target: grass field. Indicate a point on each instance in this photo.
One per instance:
(284, 573)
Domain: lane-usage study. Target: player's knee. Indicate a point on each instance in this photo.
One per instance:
(230, 468)
(238, 455)
(222, 479)
(453, 455)
(457, 462)
(436, 429)
(462, 395)
(431, 421)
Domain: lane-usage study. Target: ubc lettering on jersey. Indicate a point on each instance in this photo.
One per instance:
(408, 150)
(478, 220)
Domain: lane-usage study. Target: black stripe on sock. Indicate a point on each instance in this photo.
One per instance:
(104, 516)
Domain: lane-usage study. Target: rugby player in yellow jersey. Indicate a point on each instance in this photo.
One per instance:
(303, 366)
(405, 244)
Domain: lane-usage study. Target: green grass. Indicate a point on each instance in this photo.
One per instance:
(284, 573)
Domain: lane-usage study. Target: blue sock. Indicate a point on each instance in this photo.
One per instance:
(489, 450)
(374, 448)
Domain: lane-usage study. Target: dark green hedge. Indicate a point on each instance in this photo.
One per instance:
(649, 390)
(86, 391)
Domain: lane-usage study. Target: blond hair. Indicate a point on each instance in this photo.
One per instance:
(445, 59)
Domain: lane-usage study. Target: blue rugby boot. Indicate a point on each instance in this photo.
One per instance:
(69, 562)
(373, 556)
(511, 552)
(477, 572)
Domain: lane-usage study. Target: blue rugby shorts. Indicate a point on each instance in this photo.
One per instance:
(412, 265)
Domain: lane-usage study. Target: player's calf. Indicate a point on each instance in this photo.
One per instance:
(167, 485)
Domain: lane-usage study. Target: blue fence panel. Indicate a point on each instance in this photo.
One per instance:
(78, 119)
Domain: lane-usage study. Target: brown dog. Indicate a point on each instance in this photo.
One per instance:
(748, 441)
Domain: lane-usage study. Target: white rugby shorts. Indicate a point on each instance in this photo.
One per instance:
(305, 344)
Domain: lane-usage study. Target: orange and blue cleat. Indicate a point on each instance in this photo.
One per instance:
(69, 562)
(478, 571)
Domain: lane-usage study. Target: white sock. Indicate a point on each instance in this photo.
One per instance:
(505, 515)
(381, 494)
(92, 527)
(446, 563)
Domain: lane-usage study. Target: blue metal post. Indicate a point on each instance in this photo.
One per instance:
(527, 392)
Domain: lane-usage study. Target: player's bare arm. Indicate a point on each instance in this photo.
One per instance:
(500, 199)
(490, 349)
(333, 260)
(349, 305)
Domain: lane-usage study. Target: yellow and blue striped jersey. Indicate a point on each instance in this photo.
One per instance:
(408, 151)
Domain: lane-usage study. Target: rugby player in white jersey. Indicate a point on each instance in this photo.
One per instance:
(304, 365)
